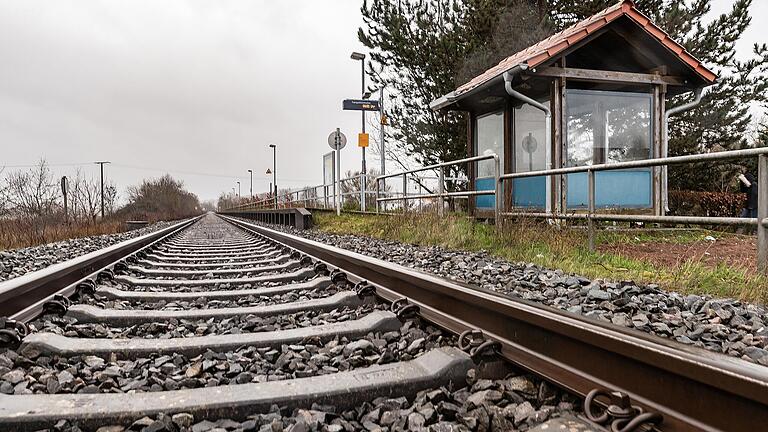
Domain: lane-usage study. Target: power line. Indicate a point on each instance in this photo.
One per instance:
(196, 173)
(144, 168)
(47, 164)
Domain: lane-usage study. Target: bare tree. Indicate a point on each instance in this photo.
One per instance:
(32, 193)
(84, 196)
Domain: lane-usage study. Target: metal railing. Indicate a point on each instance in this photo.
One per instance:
(441, 193)
(320, 196)
(761, 221)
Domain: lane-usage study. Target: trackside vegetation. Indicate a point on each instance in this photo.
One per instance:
(562, 248)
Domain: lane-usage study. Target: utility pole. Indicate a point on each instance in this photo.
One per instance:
(238, 190)
(64, 194)
(101, 164)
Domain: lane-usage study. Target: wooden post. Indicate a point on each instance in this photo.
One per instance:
(471, 165)
(558, 184)
(656, 143)
(509, 155)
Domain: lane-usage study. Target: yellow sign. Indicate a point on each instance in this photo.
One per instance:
(362, 140)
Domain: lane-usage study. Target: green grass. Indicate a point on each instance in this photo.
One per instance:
(558, 248)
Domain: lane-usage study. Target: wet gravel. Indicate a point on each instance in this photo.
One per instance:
(725, 326)
(517, 402)
(17, 262)
(189, 328)
(92, 374)
(205, 303)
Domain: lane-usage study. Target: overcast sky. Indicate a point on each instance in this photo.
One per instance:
(194, 88)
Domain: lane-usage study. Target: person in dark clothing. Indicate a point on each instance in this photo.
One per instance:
(748, 185)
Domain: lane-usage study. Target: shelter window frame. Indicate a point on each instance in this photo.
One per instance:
(488, 137)
(637, 141)
(609, 126)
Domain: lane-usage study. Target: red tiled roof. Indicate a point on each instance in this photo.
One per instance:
(553, 45)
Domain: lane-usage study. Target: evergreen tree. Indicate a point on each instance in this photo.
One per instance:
(427, 48)
(418, 50)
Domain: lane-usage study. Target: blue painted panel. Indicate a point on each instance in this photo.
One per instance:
(485, 201)
(530, 191)
(630, 188)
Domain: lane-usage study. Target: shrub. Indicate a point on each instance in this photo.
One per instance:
(715, 204)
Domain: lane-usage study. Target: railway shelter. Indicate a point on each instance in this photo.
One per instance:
(594, 93)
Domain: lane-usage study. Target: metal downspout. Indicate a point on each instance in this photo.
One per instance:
(548, 113)
(665, 142)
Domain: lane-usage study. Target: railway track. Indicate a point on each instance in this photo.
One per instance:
(218, 323)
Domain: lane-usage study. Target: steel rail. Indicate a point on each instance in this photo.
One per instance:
(693, 389)
(22, 298)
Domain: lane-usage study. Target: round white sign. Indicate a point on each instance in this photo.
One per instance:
(337, 140)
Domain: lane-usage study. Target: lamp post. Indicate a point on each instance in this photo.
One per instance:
(382, 123)
(274, 170)
(238, 190)
(361, 57)
(251, 173)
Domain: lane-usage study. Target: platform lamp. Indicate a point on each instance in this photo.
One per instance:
(361, 57)
(274, 169)
(251, 173)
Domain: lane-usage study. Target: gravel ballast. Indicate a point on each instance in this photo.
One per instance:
(516, 403)
(69, 327)
(18, 262)
(725, 326)
(204, 303)
(92, 374)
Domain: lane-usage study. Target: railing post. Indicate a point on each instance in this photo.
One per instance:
(762, 213)
(498, 193)
(405, 192)
(362, 192)
(591, 209)
(441, 191)
(378, 183)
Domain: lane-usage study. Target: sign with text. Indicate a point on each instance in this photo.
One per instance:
(362, 140)
(360, 105)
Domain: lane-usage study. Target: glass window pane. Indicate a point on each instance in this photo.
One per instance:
(606, 127)
(489, 139)
(530, 135)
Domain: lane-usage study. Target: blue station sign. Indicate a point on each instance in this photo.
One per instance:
(360, 105)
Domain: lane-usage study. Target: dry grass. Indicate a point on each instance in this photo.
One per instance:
(16, 233)
(553, 247)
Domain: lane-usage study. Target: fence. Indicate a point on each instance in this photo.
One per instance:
(441, 194)
(761, 221)
(321, 196)
(382, 196)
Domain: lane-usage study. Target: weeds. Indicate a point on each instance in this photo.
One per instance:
(558, 248)
(17, 233)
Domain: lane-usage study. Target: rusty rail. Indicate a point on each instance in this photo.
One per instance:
(691, 388)
(22, 297)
